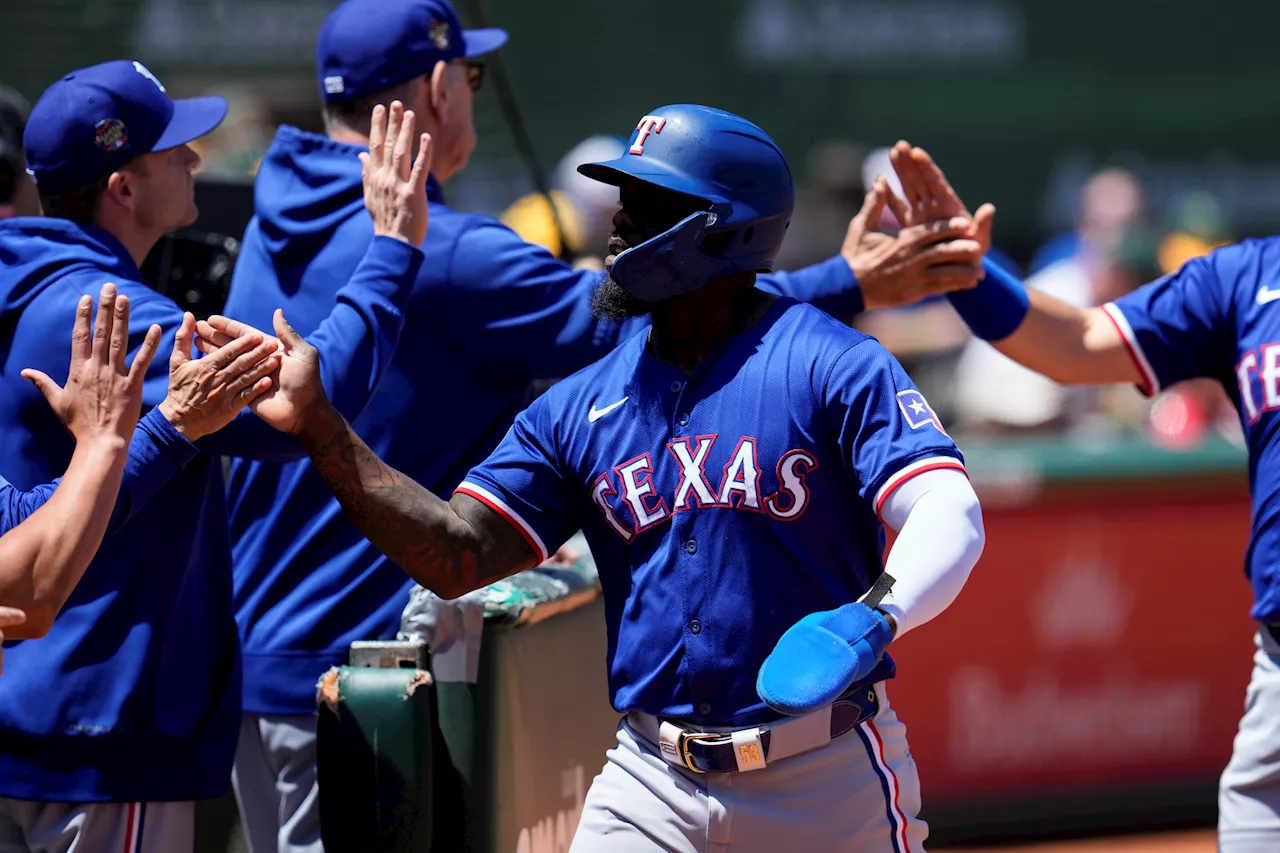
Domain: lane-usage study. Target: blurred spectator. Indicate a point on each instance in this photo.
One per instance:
(994, 393)
(1109, 203)
(17, 191)
(584, 207)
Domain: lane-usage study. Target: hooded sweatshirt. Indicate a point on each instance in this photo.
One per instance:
(134, 694)
(489, 316)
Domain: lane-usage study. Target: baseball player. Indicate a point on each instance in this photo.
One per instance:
(1213, 318)
(733, 467)
(307, 583)
(127, 711)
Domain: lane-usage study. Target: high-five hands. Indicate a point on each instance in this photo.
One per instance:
(939, 248)
(923, 259)
(395, 196)
(930, 197)
(294, 388)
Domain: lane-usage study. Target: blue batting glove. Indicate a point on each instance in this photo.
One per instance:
(822, 656)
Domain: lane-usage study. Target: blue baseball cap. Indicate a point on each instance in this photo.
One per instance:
(96, 119)
(368, 46)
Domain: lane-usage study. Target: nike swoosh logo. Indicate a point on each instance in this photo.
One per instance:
(1266, 295)
(596, 414)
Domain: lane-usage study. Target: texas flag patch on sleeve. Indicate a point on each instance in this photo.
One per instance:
(916, 409)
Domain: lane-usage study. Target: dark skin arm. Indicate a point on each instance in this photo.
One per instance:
(449, 547)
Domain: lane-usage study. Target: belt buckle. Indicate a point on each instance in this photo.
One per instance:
(682, 746)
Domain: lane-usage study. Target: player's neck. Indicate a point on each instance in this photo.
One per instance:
(690, 327)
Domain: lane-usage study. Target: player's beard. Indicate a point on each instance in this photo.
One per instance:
(611, 302)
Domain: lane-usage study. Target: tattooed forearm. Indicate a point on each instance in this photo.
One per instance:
(449, 549)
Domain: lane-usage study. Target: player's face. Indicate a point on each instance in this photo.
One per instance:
(646, 212)
(162, 189)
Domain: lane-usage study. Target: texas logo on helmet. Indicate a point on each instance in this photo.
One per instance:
(647, 125)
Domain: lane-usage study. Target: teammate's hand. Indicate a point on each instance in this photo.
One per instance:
(205, 394)
(103, 396)
(295, 389)
(822, 656)
(919, 261)
(394, 194)
(929, 196)
(10, 617)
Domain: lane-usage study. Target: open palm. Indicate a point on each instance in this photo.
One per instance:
(295, 386)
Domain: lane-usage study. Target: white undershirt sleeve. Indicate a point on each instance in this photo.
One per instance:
(940, 539)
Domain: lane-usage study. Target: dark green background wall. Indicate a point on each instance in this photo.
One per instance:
(1018, 100)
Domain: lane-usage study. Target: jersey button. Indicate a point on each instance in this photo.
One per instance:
(684, 420)
(704, 708)
(675, 387)
(695, 626)
(691, 546)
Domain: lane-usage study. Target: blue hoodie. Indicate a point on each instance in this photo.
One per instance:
(134, 694)
(489, 316)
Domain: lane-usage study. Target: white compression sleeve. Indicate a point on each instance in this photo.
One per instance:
(940, 539)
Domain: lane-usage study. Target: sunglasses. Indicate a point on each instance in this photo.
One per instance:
(475, 75)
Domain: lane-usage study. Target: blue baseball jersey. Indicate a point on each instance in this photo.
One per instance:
(1215, 318)
(721, 505)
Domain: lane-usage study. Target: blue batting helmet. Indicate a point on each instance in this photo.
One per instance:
(722, 159)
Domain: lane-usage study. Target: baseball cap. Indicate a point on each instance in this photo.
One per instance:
(367, 46)
(96, 119)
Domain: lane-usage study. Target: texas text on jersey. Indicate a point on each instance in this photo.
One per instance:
(698, 492)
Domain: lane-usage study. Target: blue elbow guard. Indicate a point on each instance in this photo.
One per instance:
(822, 656)
(996, 307)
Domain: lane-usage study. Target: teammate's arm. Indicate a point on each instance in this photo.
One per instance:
(1067, 344)
(53, 530)
(449, 547)
(1070, 345)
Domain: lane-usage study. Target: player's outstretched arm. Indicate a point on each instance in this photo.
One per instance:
(450, 547)
(54, 530)
(1068, 344)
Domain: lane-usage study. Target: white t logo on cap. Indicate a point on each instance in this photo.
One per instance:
(142, 69)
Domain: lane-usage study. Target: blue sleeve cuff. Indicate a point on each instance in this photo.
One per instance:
(165, 438)
(846, 291)
(156, 453)
(393, 258)
(996, 307)
(829, 285)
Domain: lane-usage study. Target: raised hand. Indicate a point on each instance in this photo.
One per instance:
(394, 194)
(930, 197)
(295, 388)
(103, 396)
(921, 260)
(205, 394)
